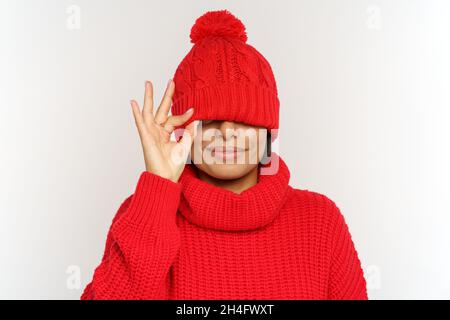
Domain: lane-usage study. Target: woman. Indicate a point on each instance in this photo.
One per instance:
(228, 225)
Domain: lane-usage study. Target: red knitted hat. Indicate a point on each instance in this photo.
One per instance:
(223, 77)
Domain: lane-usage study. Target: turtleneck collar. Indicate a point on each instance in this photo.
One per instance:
(212, 207)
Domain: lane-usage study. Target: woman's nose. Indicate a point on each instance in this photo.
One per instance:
(228, 129)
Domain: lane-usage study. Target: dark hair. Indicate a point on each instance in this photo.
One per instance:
(268, 149)
(269, 143)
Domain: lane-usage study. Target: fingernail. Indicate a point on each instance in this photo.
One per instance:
(190, 110)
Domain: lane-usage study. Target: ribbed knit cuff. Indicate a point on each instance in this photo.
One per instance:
(154, 203)
(239, 102)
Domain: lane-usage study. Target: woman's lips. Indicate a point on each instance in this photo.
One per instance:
(227, 152)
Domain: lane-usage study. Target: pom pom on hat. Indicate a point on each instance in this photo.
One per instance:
(221, 23)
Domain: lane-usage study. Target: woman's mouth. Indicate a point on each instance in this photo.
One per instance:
(227, 152)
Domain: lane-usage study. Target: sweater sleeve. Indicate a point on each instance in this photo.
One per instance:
(347, 280)
(142, 243)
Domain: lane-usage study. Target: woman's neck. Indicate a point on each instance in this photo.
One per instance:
(235, 185)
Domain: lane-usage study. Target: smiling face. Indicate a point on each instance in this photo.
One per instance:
(228, 150)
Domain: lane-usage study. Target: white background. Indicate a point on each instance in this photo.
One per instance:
(364, 91)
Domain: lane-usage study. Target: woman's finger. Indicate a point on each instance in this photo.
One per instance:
(164, 107)
(187, 139)
(136, 113)
(140, 124)
(147, 111)
(174, 121)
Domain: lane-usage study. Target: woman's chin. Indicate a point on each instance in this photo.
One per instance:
(227, 171)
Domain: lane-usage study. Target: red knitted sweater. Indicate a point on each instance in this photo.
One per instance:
(193, 240)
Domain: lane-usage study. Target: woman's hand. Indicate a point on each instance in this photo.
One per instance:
(162, 156)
